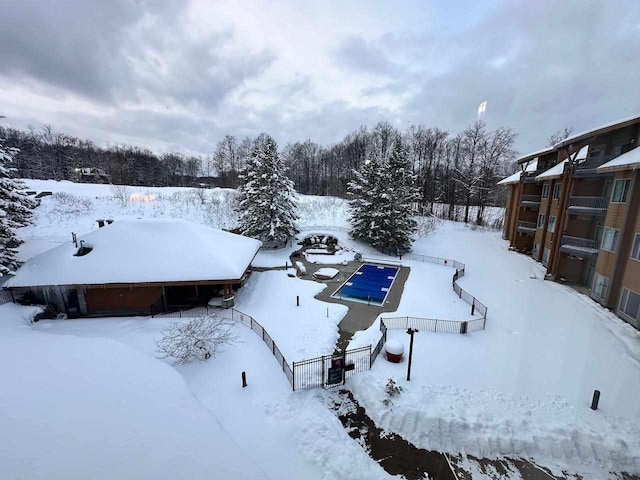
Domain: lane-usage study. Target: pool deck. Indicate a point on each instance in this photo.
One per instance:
(360, 315)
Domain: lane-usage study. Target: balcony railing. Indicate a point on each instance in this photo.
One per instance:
(589, 165)
(588, 205)
(579, 246)
(530, 200)
(527, 227)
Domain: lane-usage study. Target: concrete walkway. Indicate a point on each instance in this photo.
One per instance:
(360, 315)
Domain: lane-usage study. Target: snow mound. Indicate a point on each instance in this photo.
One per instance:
(326, 273)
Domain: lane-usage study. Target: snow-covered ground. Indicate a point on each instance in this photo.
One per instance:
(521, 387)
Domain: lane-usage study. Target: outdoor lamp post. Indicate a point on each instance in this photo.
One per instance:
(410, 331)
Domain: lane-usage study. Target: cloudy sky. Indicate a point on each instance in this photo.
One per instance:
(178, 74)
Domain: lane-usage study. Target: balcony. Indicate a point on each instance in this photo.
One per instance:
(530, 201)
(588, 205)
(587, 167)
(582, 247)
(527, 227)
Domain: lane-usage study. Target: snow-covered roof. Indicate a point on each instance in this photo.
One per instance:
(601, 129)
(553, 172)
(531, 166)
(514, 178)
(627, 161)
(141, 251)
(538, 153)
(582, 153)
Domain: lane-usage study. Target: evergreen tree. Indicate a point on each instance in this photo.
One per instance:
(381, 206)
(267, 199)
(15, 210)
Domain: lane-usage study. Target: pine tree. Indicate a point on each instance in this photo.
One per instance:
(381, 206)
(15, 211)
(267, 202)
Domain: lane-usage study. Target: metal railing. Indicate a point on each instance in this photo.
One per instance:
(592, 162)
(250, 322)
(587, 204)
(529, 227)
(320, 371)
(530, 199)
(578, 245)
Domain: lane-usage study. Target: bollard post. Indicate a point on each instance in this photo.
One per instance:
(297, 300)
(244, 379)
(327, 312)
(473, 306)
(596, 399)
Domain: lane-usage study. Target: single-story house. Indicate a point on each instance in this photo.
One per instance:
(133, 267)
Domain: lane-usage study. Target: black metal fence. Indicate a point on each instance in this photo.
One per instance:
(330, 370)
(434, 324)
(5, 297)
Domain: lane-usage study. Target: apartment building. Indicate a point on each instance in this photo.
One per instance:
(575, 207)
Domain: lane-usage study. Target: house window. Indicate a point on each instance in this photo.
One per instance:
(545, 190)
(630, 303)
(536, 249)
(557, 188)
(552, 224)
(620, 190)
(600, 286)
(609, 239)
(635, 251)
(545, 256)
(541, 221)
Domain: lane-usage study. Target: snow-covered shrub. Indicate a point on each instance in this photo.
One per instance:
(392, 389)
(426, 224)
(67, 203)
(198, 339)
(121, 193)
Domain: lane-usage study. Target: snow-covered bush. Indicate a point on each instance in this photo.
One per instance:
(392, 389)
(426, 224)
(121, 193)
(70, 204)
(198, 339)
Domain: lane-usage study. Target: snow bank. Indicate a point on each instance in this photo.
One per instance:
(95, 408)
(326, 273)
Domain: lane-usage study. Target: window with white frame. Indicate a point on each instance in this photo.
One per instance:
(552, 224)
(620, 190)
(610, 239)
(545, 190)
(545, 256)
(630, 303)
(557, 189)
(600, 286)
(541, 218)
(635, 251)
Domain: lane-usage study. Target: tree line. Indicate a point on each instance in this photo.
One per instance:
(455, 170)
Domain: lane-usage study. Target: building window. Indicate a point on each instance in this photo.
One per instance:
(552, 224)
(609, 239)
(536, 249)
(620, 190)
(545, 256)
(600, 286)
(541, 221)
(545, 190)
(635, 251)
(557, 188)
(630, 303)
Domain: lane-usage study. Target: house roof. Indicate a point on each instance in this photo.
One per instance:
(554, 172)
(627, 161)
(142, 251)
(514, 178)
(535, 154)
(607, 127)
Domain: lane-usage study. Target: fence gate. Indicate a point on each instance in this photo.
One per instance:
(330, 370)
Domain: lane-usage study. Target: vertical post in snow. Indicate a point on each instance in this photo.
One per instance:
(473, 306)
(244, 379)
(297, 300)
(595, 400)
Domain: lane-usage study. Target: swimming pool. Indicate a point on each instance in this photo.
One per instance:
(369, 284)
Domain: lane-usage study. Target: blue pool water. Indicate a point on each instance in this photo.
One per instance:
(369, 284)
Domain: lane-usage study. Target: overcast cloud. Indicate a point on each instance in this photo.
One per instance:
(178, 75)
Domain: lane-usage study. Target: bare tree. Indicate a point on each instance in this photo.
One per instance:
(558, 136)
(198, 339)
(121, 193)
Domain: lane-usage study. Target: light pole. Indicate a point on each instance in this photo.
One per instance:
(410, 331)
